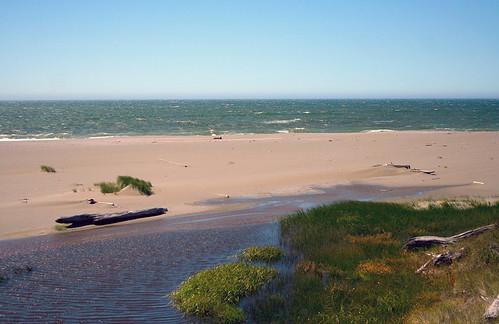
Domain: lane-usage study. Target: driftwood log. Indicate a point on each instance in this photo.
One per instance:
(104, 219)
(441, 259)
(428, 241)
(493, 310)
(408, 167)
(400, 166)
(430, 172)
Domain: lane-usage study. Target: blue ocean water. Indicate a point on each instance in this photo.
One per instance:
(65, 119)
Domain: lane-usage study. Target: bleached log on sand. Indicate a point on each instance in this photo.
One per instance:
(428, 241)
(104, 219)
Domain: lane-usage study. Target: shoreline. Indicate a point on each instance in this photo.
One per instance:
(231, 134)
(238, 165)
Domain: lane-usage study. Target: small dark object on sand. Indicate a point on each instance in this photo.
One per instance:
(217, 137)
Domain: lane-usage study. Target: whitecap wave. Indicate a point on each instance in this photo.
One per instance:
(378, 131)
(282, 121)
(29, 139)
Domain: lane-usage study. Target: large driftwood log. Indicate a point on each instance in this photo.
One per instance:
(428, 241)
(493, 310)
(104, 219)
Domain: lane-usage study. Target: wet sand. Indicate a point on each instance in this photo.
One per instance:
(186, 170)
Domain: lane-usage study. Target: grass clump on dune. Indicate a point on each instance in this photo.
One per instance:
(46, 168)
(108, 187)
(214, 293)
(261, 253)
(142, 186)
(355, 269)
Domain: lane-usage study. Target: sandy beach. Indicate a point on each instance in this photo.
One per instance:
(185, 170)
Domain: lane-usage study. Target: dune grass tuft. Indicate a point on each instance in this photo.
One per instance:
(261, 253)
(142, 186)
(214, 293)
(46, 168)
(108, 187)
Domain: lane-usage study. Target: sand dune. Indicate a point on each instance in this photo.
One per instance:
(187, 169)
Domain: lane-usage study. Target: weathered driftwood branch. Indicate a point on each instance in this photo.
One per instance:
(400, 166)
(427, 241)
(408, 167)
(493, 310)
(441, 259)
(430, 172)
(104, 219)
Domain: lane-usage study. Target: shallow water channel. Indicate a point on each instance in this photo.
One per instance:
(124, 273)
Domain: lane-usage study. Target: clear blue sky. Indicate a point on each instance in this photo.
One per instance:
(248, 49)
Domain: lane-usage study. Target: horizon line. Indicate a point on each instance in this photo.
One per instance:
(256, 98)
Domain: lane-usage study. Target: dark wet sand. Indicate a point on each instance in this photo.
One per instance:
(123, 273)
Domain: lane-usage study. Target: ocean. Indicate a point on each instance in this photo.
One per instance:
(95, 118)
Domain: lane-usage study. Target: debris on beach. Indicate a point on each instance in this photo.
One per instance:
(104, 219)
(407, 167)
(478, 182)
(217, 137)
(185, 165)
(430, 172)
(400, 166)
(92, 201)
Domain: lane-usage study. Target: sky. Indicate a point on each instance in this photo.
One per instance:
(132, 49)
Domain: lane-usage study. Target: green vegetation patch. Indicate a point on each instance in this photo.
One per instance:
(214, 293)
(142, 186)
(108, 187)
(355, 270)
(60, 227)
(261, 253)
(46, 168)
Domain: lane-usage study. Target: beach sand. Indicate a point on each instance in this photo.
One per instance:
(188, 169)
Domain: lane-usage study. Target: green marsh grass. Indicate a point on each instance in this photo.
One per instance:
(261, 253)
(46, 168)
(214, 293)
(355, 270)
